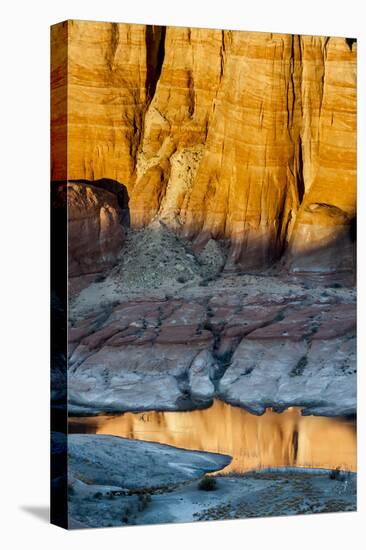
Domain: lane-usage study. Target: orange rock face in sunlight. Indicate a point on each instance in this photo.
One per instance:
(271, 440)
(224, 134)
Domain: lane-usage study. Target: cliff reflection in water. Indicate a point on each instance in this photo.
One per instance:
(271, 440)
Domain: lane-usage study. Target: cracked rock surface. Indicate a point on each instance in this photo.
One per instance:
(256, 341)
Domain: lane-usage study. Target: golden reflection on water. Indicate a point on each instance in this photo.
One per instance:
(267, 441)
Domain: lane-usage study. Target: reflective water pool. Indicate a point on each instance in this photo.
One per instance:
(271, 440)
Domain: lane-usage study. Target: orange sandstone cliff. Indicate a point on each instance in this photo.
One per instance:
(243, 136)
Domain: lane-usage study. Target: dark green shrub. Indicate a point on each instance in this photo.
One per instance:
(339, 475)
(207, 484)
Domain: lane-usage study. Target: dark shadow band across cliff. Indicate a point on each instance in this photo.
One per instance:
(262, 252)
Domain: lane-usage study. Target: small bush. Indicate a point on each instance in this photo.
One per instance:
(207, 484)
(181, 279)
(339, 475)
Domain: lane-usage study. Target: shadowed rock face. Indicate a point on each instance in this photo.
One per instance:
(223, 134)
(95, 234)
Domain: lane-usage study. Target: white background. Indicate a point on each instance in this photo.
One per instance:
(24, 305)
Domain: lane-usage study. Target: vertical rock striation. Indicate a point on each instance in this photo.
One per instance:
(234, 135)
(324, 230)
(95, 234)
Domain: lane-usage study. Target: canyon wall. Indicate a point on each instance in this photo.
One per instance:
(243, 136)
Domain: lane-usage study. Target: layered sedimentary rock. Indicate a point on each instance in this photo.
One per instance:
(95, 233)
(178, 354)
(324, 231)
(221, 134)
(138, 356)
(307, 357)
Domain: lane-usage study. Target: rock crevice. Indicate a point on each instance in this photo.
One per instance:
(180, 353)
(274, 116)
